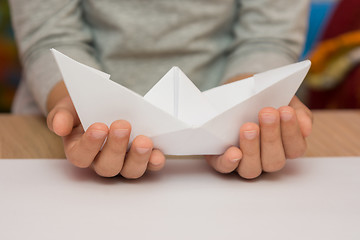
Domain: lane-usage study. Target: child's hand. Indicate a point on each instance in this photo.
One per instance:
(83, 148)
(281, 135)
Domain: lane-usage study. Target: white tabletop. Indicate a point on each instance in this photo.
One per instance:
(312, 198)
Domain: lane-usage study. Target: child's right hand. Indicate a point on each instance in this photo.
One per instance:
(83, 149)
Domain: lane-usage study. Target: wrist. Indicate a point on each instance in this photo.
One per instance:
(239, 77)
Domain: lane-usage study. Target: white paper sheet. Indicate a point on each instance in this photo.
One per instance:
(179, 118)
(311, 198)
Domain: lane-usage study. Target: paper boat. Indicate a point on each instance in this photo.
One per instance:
(179, 118)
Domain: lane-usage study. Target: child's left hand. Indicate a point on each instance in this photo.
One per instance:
(265, 147)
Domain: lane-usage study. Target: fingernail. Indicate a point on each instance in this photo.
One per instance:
(142, 150)
(156, 163)
(286, 115)
(97, 134)
(250, 135)
(120, 133)
(268, 118)
(235, 160)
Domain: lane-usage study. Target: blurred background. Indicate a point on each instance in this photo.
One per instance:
(333, 46)
(9, 66)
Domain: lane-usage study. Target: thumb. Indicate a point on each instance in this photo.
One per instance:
(63, 118)
(304, 116)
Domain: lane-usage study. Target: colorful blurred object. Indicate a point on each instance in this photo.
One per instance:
(334, 78)
(9, 64)
(320, 11)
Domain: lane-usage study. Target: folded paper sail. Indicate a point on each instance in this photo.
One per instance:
(179, 118)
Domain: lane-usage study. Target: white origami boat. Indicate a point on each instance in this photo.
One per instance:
(179, 118)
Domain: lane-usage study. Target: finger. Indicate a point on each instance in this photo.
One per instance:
(250, 164)
(62, 122)
(305, 122)
(157, 160)
(304, 116)
(109, 161)
(272, 150)
(292, 138)
(63, 117)
(137, 158)
(81, 149)
(226, 162)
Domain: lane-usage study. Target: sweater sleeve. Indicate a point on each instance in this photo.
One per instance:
(267, 34)
(41, 25)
